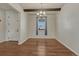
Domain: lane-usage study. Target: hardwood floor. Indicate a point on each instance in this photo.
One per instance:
(35, 47)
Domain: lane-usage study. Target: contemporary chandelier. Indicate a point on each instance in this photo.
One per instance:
(41, 12)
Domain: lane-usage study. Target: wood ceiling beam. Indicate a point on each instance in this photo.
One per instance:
(50, 9)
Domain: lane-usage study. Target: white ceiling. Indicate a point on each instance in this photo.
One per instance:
(6, 6)
(38, 5)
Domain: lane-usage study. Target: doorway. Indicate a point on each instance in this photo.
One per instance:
(41, 26)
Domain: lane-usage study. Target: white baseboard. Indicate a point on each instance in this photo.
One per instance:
(6, 40)
(42, 37)
(1, 41)
(68, 47)
(19, 43)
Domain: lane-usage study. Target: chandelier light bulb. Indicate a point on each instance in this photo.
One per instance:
(44, 12)
(41, 12)
(40, 15)
(37, 13)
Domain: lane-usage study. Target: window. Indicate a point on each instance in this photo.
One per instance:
(41, 26)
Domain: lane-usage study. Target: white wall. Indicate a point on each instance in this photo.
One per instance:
(12, 25)
(8, 25)
(51, 18)
(68, 26)
(2, 25)
(23, 22)
(51, 25)
(23, 28)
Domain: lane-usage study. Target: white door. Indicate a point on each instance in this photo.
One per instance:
(12, 26)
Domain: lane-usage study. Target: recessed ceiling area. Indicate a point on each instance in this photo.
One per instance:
(31, 7)
(38, 5)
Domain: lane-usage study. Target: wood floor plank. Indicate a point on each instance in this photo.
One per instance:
(35, 47)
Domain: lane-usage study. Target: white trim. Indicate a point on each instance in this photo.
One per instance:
(6, 40)
(1, 41)
(19, 43)
(68, 47)
(41, 37)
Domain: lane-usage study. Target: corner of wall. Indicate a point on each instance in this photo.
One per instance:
(68, 47)
(21, 42)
